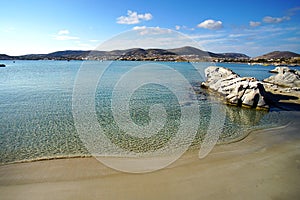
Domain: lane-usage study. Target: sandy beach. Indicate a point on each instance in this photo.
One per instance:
(265, 165)
(140, 100)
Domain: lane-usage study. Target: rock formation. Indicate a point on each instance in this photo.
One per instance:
(286, 78)
(279, 70)
(238, 91)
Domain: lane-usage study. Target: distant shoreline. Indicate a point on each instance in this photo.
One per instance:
(182, 54)
(234, 62)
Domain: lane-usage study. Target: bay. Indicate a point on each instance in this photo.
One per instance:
(36, 119)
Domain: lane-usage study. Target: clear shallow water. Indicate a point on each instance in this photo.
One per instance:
(36, 118)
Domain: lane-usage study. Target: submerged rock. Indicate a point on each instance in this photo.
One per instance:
(238, 91)
(285, 78)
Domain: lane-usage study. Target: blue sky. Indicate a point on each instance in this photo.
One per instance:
(252, 27)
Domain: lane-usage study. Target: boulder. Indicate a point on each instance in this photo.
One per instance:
(238, 91)
(279, 70)
(285, 78)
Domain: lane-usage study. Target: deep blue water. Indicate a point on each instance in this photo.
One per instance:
(36, 118)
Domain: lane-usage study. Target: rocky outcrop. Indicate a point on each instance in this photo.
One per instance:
(285, 78)
(238, 91)
(279, 70)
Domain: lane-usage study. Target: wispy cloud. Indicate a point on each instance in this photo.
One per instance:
(206, 36)
(293, 39)
(210, 24)
(249, 40)
(269, 19)
(144, 30)
(139, 28)
(238, 35)
(254, 24)
(293, 11)
(64, 35)
(134, 18)
(177, 28)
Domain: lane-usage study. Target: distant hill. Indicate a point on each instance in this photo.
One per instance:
(6, 57)
(186, 52)
(127, 53)
(147, 52)
(234, 55)
(68, 53)
(278, 55)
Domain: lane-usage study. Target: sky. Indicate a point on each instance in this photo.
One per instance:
(252, 27)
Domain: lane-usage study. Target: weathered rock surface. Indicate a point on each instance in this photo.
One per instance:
(279, 70)
(239, 91)
(285, 78)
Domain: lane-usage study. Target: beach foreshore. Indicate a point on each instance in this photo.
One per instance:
(264, 165)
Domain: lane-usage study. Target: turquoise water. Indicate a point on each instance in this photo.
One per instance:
(36, 119)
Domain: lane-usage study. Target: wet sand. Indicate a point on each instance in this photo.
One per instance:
(265, 165)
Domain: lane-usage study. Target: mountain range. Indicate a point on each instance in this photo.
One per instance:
(187, 53)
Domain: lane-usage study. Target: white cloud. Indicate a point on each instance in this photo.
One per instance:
(177, 27)
(133, 18)
(269, 19)
(254, 24)
(63, 32)
(139, 28)
(64, 35)
(210, 24)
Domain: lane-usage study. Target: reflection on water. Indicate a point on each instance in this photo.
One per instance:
(239, 121)
(244, 117)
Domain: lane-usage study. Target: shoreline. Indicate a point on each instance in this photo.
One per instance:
(265, 164)
(45, 159)
(262, 64)
(190, 149)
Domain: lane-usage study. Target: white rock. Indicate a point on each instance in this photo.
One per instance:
(280, 70)
(240, 91)
(285, 77)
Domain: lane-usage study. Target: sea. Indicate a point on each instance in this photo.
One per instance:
(41, 103)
